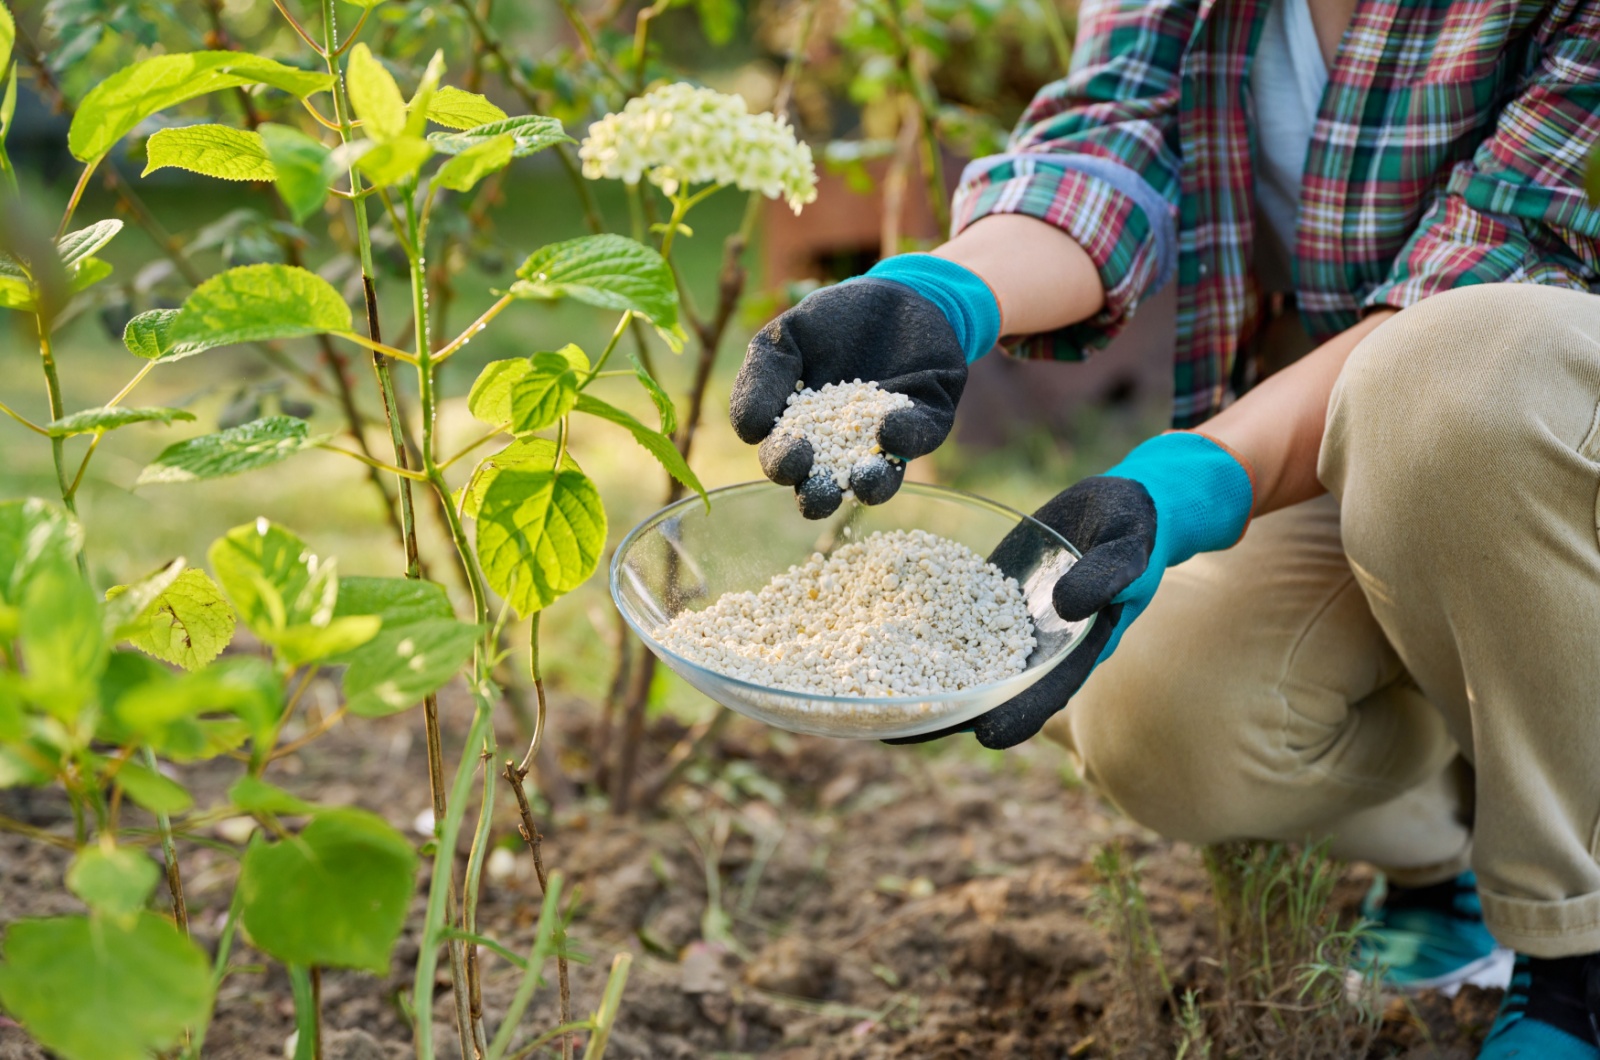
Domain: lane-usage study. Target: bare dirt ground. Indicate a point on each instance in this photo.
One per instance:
(798, 899)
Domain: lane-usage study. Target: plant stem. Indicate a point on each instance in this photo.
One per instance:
(606, 1016)
(169, 851)
(544, 940)
(307, 1020)
(20, 418)
(611, 344)
(219, 967)
(530, 835)
(77, 195)
(469, 905)
(403, 472)
(475, 327)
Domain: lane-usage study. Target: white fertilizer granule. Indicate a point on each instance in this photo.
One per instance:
(841, 422)
(899, 613)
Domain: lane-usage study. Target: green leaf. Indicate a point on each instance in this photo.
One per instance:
(397, 601)
(307, 642)
(335, 895)
(126, 604)
(8, 104)
(164, 704)
(532, 133)
(658, 444)
(475, 163)
(298, 161)
(402, 665)
(540, 535)
(91, 988)
(273, 579)
(367, 4)
(34, 536)
(89, 272)
(154, 792)
(456, 108)
(98, 421)
(186, 623)
(524, 454)
(393, 161)
(113, 880)
(544, 395)
(62, 641)
(253, 445)
(658, 397)
(719, 19)
(8, 36)
(422, 98)
(114, 106)
(490, 397)
(16, 294)
(374, 95)
(254, 303)
(76, 247)
(219, 151)
(608, 271)
(254, 795)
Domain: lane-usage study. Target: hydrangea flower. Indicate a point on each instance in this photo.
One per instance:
(679, 136)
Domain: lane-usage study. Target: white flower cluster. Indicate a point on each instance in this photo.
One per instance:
(679, 136)
(841, 422)
(899, 613)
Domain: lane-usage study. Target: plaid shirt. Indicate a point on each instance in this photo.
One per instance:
(1448, 150)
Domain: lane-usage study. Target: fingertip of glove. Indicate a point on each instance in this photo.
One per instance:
(913, 432)
(785, 459)
(818, 497)
(875, 480)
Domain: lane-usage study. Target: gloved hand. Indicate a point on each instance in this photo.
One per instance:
(912, 324)
(1175, 495)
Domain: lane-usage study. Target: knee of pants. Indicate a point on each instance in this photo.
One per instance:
(1443, 413)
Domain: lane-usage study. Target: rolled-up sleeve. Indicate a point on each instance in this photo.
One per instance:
(1096, 155)
(1516, 212)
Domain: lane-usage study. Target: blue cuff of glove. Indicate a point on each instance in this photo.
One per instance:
(1203, 495)
(961, 294)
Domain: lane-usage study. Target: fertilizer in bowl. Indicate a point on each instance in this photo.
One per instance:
(898, 613)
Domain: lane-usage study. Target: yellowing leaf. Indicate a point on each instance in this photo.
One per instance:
(212, 151)
(374, 95)
(187, 624)
(456, 108)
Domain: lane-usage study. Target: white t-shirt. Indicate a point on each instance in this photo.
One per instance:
(1286, 85)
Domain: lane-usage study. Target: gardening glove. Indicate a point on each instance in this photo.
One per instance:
(1175, 495)
(912, 324)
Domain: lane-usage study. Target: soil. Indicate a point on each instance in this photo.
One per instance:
(796, 898)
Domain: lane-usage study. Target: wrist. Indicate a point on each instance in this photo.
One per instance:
(963, 296)
(1203, 493)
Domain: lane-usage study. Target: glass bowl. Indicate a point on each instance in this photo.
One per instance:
(684, 557)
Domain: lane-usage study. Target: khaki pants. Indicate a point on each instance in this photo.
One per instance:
(1410, 665)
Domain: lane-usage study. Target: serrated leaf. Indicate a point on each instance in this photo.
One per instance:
(374, 95)
(34, 536)
(114, 106)
(397, 601)
(76, 247)
(524, 454)
(248, 447)
(298, 161)
(98, 421)
(475, 163)
(186, 623)
(254, 795)
(126, 604)
(254, 303)
(422, 98)
(402, 665)
(609, 271)
(490, 397)
(393, 161)
(154, 792)
(656, 443)
(531, 133)
(335, 895)
(455, 108)
(540, 535)
(219, 151)
(93, 988)
(116, 881)
(273, 579)
(148, 334)
(658, 397)
(544, 395)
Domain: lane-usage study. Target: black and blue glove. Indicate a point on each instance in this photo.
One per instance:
(912, 324)
(1174, 496)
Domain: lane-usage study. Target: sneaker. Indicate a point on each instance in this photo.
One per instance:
(1551, 1012)
(1432, 938)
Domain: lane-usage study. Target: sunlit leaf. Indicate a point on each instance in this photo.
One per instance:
(490, 397)
(335, 895)
(457, 108)
(531, 133)
(274, 580)
(76, 247)
(544, 395)
(540, 535)
(524, 454)
(186, 623)
(98, 421)
(475, 163)
(422, 98)
(658, 444)
(34, 536)
(126, 604)
(8, 36)
(392, 161)
(298, 161)
(374, 95)
(658, 397)
(114, 106)
(398, 601)
(63, 643)
(95, 988)
(301, 644)
(219, 151)
(254, 303)
(89, 272)
(248, 447)
(402, 665)
(609, 271)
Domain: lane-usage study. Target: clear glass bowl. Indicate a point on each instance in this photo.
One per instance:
(684, 557)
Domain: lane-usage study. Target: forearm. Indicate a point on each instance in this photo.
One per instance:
(1277, 427)
(1041, 277)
